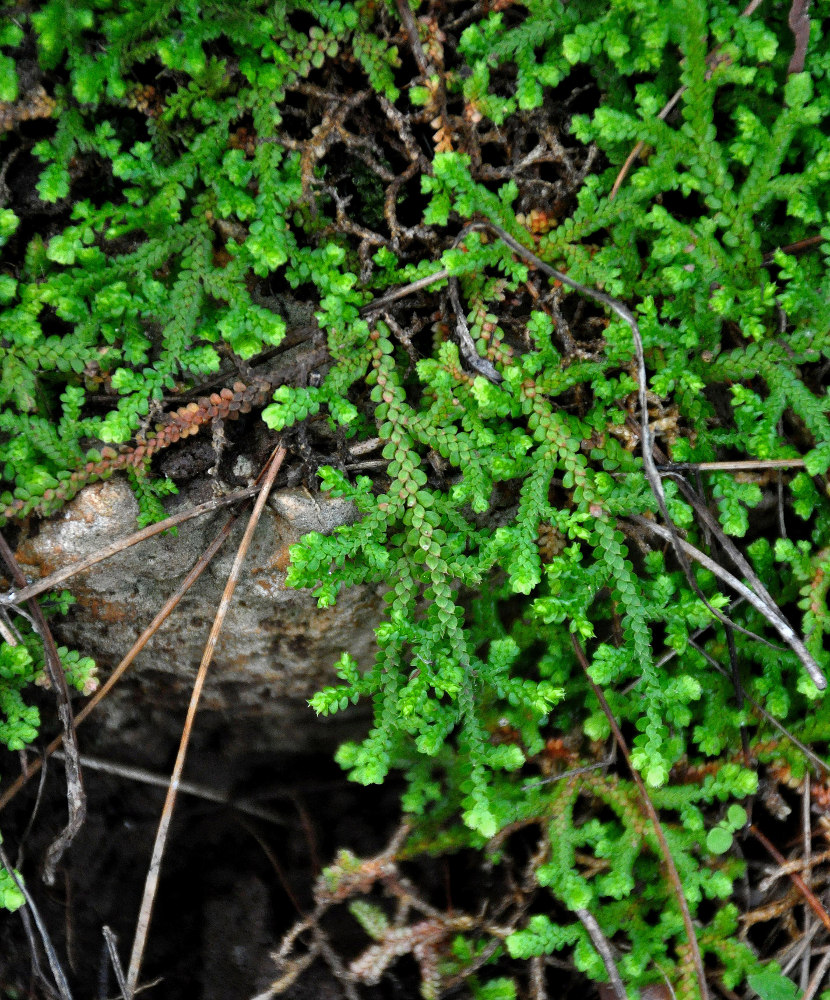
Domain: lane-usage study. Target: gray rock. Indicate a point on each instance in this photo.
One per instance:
(276, 647)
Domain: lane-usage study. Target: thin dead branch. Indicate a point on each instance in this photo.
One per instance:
(778, 622)
(604, 948)
(809, 896)
(799, 23)
(154, 870)
(52, 581)
(746, 465)
(112, 948)
(198, 791)
(807, 850)
(54, 964)
(75, 796)
(818, 977)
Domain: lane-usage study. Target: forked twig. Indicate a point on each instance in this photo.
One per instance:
(663, 114)
(667, 108)
(809, 896)
(154, 870)
(779, 623)
(655, 821)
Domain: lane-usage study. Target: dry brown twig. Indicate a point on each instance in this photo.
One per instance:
(54, 964)
(154, 870)
(52, 581)
(809, 896)
(799, 24)
(807, 849)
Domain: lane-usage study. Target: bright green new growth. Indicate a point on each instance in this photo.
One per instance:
(22, 665)
(475, 668)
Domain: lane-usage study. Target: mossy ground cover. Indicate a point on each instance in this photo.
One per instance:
(629, 474)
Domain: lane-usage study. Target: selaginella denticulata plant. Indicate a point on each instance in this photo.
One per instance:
(555, 478)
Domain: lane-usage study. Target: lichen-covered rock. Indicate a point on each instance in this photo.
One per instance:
(276, 647)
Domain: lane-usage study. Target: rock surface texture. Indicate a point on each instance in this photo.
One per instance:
(276, 647)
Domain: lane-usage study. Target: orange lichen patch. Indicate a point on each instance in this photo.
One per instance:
(34, 564)
(556, 749)
(281, 559)
(269, 578)
(110, 612)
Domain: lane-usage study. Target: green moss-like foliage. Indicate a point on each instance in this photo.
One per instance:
(168, 263)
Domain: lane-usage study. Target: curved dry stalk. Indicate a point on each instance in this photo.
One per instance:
(168, 607)
(774, 617)
(75, 795)
(655, 822)
(51, 581)
(154, 869)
